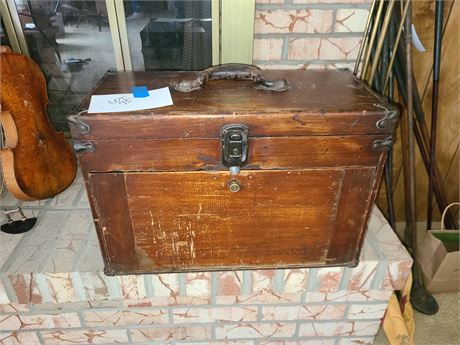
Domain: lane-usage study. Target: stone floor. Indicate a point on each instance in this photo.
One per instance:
(63, 240)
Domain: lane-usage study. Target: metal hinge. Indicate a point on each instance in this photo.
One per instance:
(383, 144)
(76, 123)
(83, 146)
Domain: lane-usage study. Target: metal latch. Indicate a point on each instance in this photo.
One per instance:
(234, 152)
(234, 147)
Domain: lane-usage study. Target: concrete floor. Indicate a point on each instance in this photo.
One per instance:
(440, 329)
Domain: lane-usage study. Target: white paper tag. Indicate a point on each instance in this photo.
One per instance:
(416, 41)
(121, 102)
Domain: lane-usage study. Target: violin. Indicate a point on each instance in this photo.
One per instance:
(37, 162)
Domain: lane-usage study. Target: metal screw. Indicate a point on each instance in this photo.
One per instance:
(234, 186)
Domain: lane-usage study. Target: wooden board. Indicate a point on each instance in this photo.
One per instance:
(190, 220)
(263, 153)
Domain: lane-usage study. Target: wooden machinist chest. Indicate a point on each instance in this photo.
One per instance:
(234, 174)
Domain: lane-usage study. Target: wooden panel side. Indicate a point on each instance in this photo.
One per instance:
(192, 220)
(135, 126)
(114, 220)
(353, 210)
(205, 154)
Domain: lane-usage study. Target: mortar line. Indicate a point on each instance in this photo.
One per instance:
(214, 288)
(247, 283)
(58, 306)
(113, 287)
(42, 286)
(40, 338)
(357, 34)
(345, 279)
(321, 6)
(189, 325)
(8, 286)
(301, 62)
(285, 48)
(148, 283)
(312, 277)
(334, 21)
(182, 284)
(78, 286)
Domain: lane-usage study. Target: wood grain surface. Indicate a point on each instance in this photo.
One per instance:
(190, 219)
(160, 194)
(41, 163)
(318, 103)
(263, 153)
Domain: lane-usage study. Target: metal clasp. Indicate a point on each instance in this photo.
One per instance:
(234, 147)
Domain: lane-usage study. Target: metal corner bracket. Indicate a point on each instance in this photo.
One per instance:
(383, 144)
(389, 120)
(76, 122)
(83, 146)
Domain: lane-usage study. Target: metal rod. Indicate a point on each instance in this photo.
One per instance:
(383, 66)
(389, 190)
(439, 12)
(396, 45)
(370, 45)
(391, 45)
(423, 140)
(365, 35)
(388, 48)
(410, 132)
(405, 162)
(383, 33)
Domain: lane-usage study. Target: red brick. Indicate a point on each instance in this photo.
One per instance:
(205, 315)
(19, 338)
(170, 333)
(125, 317)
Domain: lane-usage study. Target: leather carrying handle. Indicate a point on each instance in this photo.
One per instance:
(232, 71)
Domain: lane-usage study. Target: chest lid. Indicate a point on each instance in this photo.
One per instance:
(316, 102)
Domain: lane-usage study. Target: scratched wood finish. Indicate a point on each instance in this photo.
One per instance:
(117, 126)
(307, 94)
(115, 228)
(357, 184)
(263, 153)
(318, 103)
(159, 192)
(190, 219)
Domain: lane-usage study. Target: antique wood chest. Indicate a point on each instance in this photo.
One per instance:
(234, 174)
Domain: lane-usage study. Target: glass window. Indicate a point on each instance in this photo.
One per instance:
(4, 41)
(169, 34)
(71, 41)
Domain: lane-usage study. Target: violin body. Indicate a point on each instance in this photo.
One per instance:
(37, 162)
